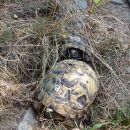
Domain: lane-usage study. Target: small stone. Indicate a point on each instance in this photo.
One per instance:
(81, 4)
(117, 2)
(15, 16)
(18, 15)
(28, 120)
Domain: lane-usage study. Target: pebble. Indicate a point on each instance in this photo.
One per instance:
(15, 16)
(117, 2)
(24, 14)
(18, 15)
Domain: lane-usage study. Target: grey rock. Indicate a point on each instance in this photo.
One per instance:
(128, 69)
(81, 4)
(117, 2)
(73, 5)
(28, 120)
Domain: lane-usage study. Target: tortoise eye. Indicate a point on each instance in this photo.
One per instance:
(82, 101)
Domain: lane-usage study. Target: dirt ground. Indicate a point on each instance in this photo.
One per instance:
(21, 61)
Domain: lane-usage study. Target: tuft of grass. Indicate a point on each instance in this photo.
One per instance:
(119, 119)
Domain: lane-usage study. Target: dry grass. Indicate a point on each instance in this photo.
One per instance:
(29, 46)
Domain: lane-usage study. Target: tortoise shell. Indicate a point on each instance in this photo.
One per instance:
(70, 88)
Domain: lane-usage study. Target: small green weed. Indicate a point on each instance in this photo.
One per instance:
(119, 119)
(98, 2)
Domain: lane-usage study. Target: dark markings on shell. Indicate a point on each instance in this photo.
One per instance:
(54, 81)
(80, 74)
(83, 85)
(66, 96)
(71, 64)
(69, 95)
(58, 72)
(67, 83)
(74, 93)
(82, 101)
(59, 99)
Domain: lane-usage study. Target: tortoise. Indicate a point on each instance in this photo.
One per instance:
(72, 84)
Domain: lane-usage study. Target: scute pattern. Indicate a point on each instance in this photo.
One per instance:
(72, 87)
